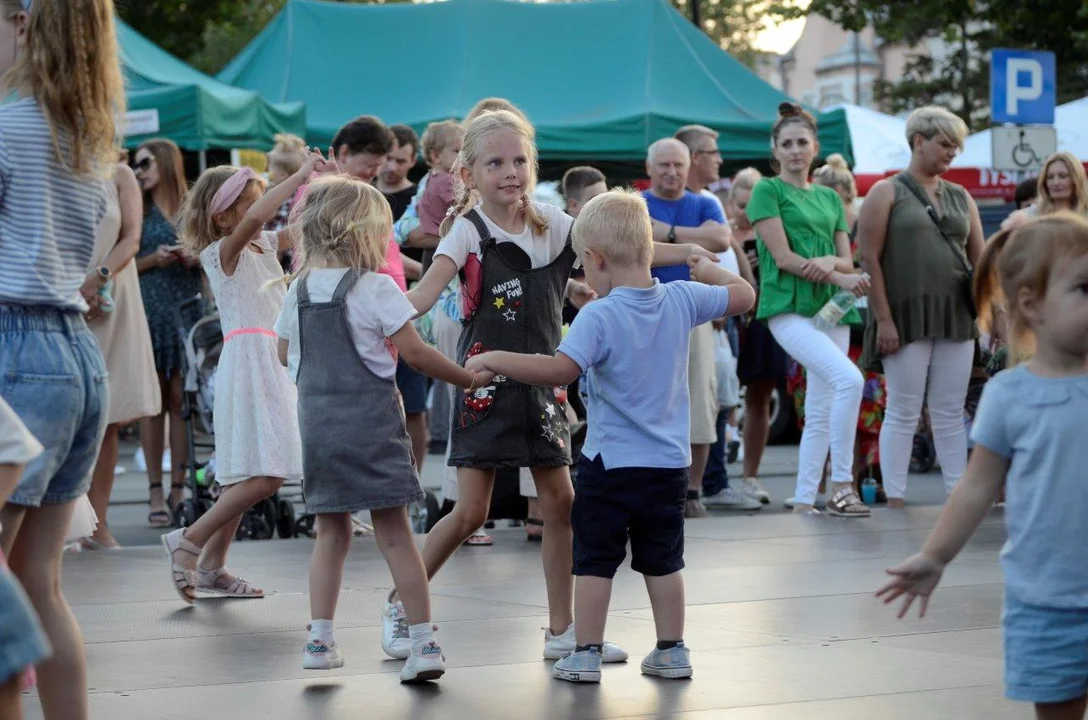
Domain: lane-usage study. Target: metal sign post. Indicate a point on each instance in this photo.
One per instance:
(1023, 93)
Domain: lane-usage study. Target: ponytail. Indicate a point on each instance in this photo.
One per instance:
(986, 286)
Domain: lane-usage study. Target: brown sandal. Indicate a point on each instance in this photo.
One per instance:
(846, 503)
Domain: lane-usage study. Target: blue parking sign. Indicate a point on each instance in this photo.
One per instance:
(1023, 87)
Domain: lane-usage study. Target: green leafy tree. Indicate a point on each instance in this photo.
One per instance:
(969, 29)
(733, 24)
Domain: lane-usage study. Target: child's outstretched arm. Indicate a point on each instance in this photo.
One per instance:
(541, 370)
(970, 501)
(429, 361)
(741, 295)
(264, 210)
(425, 294)
(678, 254)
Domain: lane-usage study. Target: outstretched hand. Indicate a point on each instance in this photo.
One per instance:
(916, 577)
(579, 293)
(316, 162)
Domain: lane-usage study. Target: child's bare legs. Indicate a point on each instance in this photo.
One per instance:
(591, 598)
(394, 535)
(334, 533)
(667, 600)
(221, 521)
(33, 539)
(11, 705)
(556, 495)
(1071, 710)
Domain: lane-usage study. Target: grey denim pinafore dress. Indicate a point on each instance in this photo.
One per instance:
(509, 424)
(356, 454)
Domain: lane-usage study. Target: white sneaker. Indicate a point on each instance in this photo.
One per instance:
(751, 487)
(395, 640)
(821, 501)
(730, 499)
(557, 647)
(425, 662)
(320, 655)
(140, 460)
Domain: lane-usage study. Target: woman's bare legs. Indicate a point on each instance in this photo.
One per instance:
(179, 445)
(152, 440)
(102, 486)
(757, 423)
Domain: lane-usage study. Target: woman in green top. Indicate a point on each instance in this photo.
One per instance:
(921, 327)
(804, 256)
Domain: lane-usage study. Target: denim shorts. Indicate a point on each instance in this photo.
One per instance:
(53, 376)
(643, 505)
(1046, 652)
(22, 642)
(413, 388)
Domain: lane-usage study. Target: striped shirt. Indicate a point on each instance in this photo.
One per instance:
(48, 214)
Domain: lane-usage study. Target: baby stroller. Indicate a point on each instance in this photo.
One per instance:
(201, 337)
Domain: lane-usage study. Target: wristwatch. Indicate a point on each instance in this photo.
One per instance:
(104, 274)
(672, 234)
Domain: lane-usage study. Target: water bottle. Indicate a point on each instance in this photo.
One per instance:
(868, 491)
(836, 308)
(105, 297)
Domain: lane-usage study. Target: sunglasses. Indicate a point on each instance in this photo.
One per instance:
(144, 164)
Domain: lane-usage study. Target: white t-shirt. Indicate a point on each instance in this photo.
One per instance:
(463, 238)
(729, 257)
(17, 445)
(376, 309)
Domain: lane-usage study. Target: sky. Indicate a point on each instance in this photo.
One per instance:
(780, 38)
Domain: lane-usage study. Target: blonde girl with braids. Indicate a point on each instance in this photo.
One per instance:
(257, 444)
(60, 91)
(341, 330)
(1029, 439)
(514, 258)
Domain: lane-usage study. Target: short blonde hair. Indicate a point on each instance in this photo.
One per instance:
(931, 121)
(288, 154)
(438, 136)
(617, 225)
(343, 221)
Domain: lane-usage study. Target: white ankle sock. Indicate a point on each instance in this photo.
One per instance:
(321, 630)
(732, 433)
(421, 633)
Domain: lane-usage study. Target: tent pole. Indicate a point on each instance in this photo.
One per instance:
(695, 14)
(203, 163)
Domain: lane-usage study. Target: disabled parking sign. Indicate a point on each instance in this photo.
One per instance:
(1023, 87)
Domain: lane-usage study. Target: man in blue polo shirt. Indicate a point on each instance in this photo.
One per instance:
(681, 216)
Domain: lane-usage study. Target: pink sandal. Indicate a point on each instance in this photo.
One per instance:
(183, 578)
(221, 582)
(479, 538)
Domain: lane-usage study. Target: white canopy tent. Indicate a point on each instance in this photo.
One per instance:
(879, 141)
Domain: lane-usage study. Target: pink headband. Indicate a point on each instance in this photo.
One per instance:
(231, 189)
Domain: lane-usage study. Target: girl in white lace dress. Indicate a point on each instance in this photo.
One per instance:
(257, 444)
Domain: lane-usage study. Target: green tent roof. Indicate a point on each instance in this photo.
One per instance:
(194, 110)
(600, 79)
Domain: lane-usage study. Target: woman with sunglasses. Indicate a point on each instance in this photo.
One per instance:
(168, 277)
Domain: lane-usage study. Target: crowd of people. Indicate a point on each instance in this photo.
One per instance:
(342, 288)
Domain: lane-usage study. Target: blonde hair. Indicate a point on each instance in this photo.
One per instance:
(1024, 258)
(288, 154)
(171, 167)
(465, 198)
(1079, 204)
(617, 225)
(745, 179)
(70, 65)
(931, 121)
(836, 175)
(492, 104)
(197, 226)
(437, 137)
(342, 221)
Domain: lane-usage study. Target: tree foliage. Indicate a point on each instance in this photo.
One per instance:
(959, 78)
(733, 24)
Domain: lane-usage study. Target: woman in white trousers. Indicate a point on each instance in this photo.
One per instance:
(919, 237)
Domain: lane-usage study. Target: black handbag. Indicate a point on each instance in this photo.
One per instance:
(961, 255)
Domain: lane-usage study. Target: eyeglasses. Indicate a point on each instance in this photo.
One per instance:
(144, 164)
(712, 153)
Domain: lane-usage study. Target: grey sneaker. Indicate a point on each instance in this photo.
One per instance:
(673, 663)
(584, 666)
(751, 487)
(730, 499)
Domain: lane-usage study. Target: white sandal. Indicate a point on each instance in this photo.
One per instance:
(208, 581)
(183, 578)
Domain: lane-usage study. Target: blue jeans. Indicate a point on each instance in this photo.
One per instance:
(53, 376)
(716, 477)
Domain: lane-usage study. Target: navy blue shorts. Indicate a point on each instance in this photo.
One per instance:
(413, 388)
(645, 505)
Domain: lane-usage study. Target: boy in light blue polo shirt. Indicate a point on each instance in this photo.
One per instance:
(633, 474)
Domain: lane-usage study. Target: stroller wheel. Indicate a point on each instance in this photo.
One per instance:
(265, 517)
(923, 455)
(304, 526)
(185, 513)
(285, 525)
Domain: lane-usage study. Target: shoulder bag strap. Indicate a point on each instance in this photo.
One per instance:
(913, 187)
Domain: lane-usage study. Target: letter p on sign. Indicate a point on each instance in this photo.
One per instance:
(1022, 87)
